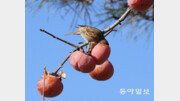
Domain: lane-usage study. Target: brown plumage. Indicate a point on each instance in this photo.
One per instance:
(90, 34)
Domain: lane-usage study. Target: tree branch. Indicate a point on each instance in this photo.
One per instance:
(58, 38)
(62, 64)
(85, 44)
(44, 75)
(118, 21)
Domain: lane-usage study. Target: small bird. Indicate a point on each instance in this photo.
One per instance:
(90, 34)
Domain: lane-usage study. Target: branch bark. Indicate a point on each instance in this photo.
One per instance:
(58, 38)
(122, 18)
(85, 44)
(44, 75)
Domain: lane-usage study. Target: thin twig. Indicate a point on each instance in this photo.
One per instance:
(119, 20)
(85, 44)
(108, 33)
(62, 64)
(44, 74)
(58, 38)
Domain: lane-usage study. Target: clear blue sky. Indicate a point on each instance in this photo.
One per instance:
(133, 63)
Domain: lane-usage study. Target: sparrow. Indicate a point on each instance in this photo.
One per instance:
(90, 34)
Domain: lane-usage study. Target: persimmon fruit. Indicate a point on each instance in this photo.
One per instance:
(100, 53)
(53, 86)
(103, 71)
(140, 5)
(82, 62)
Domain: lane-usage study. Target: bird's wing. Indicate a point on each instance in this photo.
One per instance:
(92, 30)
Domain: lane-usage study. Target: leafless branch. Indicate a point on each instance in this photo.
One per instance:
(58, 38)
(62, 64)
(85, 44)
(119, 20)
(44, 74)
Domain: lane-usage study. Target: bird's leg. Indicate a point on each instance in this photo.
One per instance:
(89, 48)
(82, 43)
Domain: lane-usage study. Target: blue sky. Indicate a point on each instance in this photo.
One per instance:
(133, 63)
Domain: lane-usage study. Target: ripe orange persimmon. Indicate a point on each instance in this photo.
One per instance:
(140, 5)
(102, 72)
(100, 53)
(53, 86)
(82, 62)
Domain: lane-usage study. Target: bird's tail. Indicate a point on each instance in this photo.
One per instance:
(68, 34)
(74, 33)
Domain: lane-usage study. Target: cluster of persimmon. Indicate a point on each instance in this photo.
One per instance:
(96, 64)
